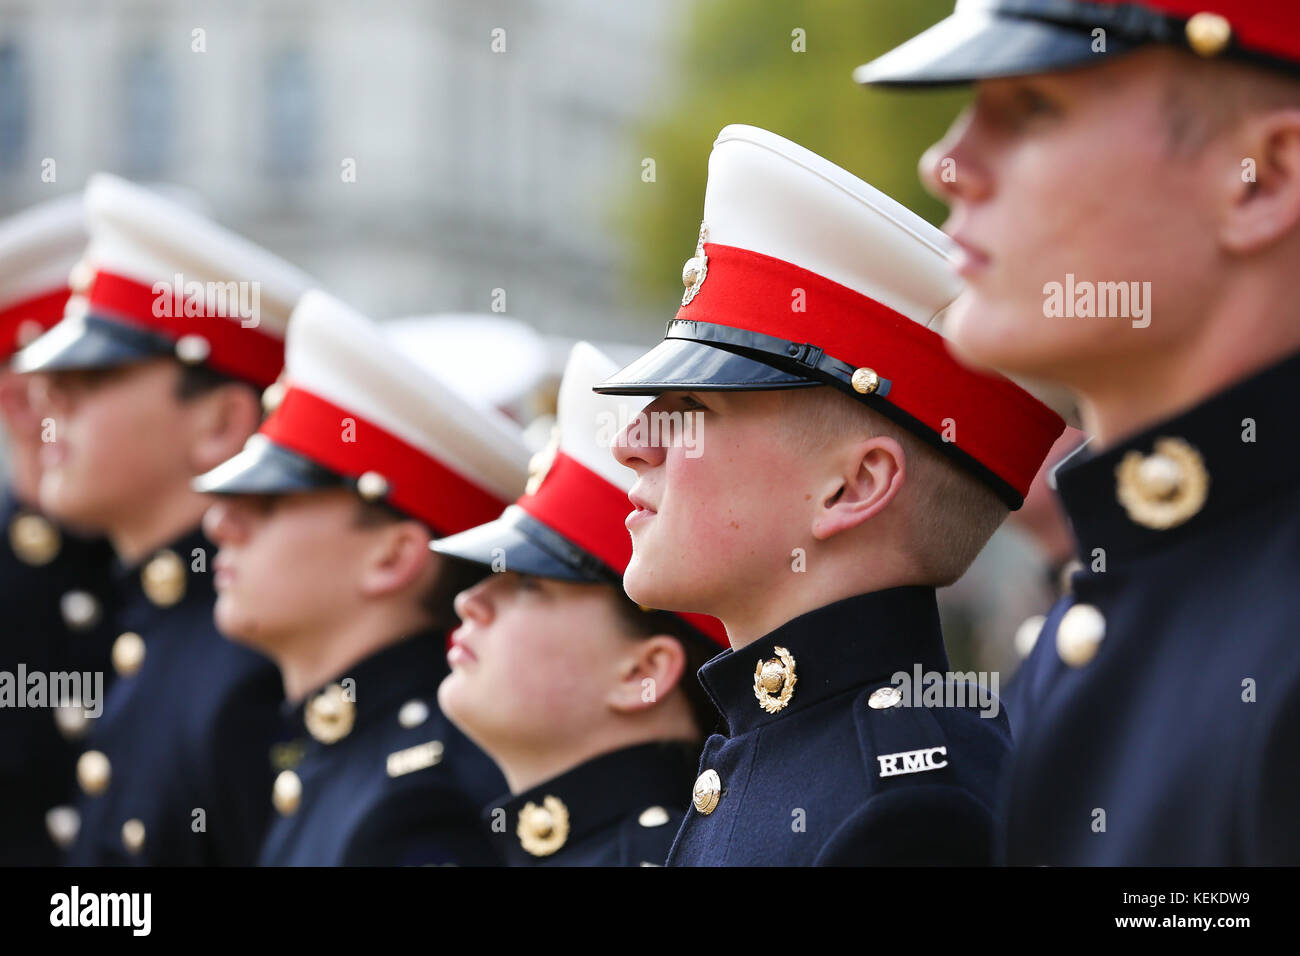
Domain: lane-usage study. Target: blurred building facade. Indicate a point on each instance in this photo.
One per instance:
(484, 151)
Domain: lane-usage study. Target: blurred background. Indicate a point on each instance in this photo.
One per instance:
(541, 158)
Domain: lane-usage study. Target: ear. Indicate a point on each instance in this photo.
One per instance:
(399, 559)
(223, 420)
(649, 672)
(1266, 210)
(871, 474)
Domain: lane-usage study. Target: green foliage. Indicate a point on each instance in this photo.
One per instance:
(737, 66)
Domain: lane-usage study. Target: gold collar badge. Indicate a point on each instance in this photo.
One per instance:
(330, 714)
(774, 681)
(543, 830)
(1165, 488)
(696, 268)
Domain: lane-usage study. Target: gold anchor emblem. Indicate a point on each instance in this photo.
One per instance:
(543, 830)
(1165, 488)
(774, 681)
(696, 268)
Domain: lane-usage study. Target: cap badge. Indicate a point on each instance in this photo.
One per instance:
(543, 830)
(330, 714)
(34, 539)
(163, 579)
(696, 268)
(1165, 488)
(774, 681)
(539, 466)
(1208, 34)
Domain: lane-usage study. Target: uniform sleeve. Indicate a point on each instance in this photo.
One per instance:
(420, 827)
(914, 826)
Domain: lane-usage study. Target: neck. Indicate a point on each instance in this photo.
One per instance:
(1248, 330)
(314, 656)
(138, 535)
(525, 767)
(24, 474)
(829, 577)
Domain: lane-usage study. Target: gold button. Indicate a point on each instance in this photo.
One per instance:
(330, 715)
(93, 772)
(1079, 634)
(1163, 489)
(34, 539)
(707, 792)
(1027, 634)
(774, 681)
(882, 698)
(133, 836)
(286, 793)
(865, 380)
(71, 719)
(193, 349)
(128, 653)
(1208, 33)
(543, 830)
(372, 486)
(653, 817)
(163, 579)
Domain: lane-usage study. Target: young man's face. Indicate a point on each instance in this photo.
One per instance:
(1038, 190)
(120, 441)
(718, 524)
(533, 661)
(286, 565)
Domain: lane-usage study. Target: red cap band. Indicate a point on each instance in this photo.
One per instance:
(45, 309)
(418, 484)
(245, 353)
(990, 418)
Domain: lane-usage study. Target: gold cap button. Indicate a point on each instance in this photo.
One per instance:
(882, 698)
(865, 380)
(1079, 634)
(1208, 34)
(93, 772)
(286, 793)
(133, 836)
(653, 817)
(372, 486)
(707, 792)
(128, 653)
(193, 349)
(1027, 634)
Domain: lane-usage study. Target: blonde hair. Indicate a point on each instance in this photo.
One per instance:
(950, 514)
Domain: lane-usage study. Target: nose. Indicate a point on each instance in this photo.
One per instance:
(221, 522)
(635, 446)
(474, 604)
(954, 167)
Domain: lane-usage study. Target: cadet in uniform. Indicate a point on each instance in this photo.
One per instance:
(1161, 712)
(52, 584)
(324, 523)
(849, 467)
(587, 702)
(152, 378)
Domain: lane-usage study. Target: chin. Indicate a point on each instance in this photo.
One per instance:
(992, 338)
(644, 587)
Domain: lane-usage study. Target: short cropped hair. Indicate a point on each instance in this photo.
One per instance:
(951, 513)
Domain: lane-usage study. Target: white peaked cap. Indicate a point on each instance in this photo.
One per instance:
(140, 235)
(586, 422)
(785, 201)
(39, 246)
